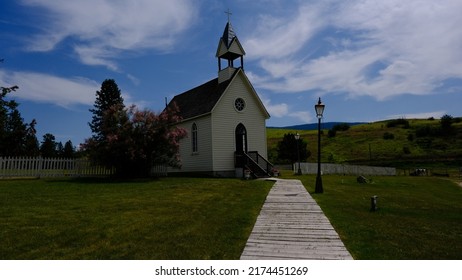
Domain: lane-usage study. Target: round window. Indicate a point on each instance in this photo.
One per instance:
(239, 104)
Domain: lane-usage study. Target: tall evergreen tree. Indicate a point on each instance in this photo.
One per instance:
(15, 134)
(129, 140)
(59, 149)
(16, 137)
(68, 151)
(6, 107)
(48, 147)
(108, 96)
(31, 143)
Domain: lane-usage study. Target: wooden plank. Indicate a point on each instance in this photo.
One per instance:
(291, 225)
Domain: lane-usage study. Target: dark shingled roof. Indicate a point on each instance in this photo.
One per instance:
(228, 35)
(200, 100)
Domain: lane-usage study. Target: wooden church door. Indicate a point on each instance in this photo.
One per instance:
(241, 138)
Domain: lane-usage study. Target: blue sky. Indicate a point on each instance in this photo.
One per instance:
(367, 60)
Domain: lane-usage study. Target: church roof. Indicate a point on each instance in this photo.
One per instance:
(200, 100)
(228, 34)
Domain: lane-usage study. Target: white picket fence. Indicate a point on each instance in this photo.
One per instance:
(49, 167)
(160, 170)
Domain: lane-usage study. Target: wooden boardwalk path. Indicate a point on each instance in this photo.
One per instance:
(291, 225)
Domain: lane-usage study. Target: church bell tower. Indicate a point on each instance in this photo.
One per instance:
(229, 49)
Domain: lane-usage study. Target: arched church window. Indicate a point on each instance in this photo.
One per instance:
(194, 138)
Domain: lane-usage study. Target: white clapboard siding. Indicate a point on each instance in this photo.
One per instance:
(225, 119)
(200, 161)
(49, 167)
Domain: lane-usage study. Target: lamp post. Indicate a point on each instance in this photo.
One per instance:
(319, 111)
(297, 137)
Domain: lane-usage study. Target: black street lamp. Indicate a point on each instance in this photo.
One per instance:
(319, 111)
(297, 137)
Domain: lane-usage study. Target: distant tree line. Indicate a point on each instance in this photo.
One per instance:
(445, 128)
(50, 148)
(18, 138)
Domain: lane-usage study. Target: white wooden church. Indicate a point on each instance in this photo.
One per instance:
(225, 120)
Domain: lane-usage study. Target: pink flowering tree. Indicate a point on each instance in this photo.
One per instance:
(137, 139)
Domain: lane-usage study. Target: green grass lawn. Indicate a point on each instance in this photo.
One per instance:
(418, 217)
(171, 218)
(193, 218)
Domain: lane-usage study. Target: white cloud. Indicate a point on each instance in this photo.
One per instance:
(101, 29)
(91, 55)
(61, 91)
(303, 116)
(51, 89)
(276, 38)
(276, 110)
(282, 110)
(379, 49)
(134, 79)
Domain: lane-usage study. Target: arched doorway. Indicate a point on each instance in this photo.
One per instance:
(241, 138)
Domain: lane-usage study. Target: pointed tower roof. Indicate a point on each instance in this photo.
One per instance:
(229, 46)
(228, 34)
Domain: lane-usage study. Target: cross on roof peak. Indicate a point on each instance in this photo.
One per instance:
(229, 13)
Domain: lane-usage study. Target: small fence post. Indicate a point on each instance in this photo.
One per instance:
(373, 203)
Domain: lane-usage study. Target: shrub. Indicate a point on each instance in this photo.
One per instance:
(331, 133)
(341, 127)
(398, 122)
(388, 136)
(427, 131)
(338, 127)
(446, 123)
(425, 142)
(406, 150)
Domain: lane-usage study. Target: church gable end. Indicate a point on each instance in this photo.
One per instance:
(248, 92)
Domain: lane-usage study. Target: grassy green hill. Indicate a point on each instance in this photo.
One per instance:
(399, 143)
